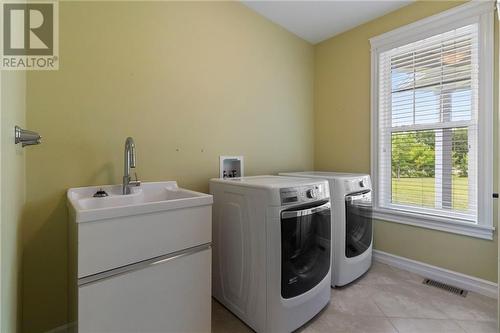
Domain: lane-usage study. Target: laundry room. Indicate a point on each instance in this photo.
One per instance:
(249, 166)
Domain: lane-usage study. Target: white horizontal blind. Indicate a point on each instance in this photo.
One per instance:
(428, 120)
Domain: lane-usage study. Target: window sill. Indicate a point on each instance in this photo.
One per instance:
(435, 223)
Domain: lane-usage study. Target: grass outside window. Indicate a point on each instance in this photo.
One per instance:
(421, 192)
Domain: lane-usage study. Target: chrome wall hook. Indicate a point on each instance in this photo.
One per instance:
(25, 137)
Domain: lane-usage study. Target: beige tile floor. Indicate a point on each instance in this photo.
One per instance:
(388, 300)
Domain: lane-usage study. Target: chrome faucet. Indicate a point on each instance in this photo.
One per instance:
(129, 162)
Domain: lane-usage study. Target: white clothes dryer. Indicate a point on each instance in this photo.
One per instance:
(352, 227)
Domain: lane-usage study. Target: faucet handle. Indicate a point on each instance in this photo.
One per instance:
(135, 182)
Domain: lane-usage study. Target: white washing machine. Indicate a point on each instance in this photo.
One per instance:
(351, 197)
(271, 249)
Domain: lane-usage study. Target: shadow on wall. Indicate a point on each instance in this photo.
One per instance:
(106, 172)
(45, 259)
(44, 266)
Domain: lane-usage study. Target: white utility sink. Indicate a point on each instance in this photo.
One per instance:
(140, 262)
(147, 198)
(155, 219)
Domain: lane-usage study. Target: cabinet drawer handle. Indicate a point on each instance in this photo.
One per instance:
(89, 279)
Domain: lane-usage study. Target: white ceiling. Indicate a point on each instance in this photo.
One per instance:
(316, 21)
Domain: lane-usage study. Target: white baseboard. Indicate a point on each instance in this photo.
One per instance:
(456, 279)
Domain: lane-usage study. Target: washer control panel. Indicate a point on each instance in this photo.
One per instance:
(292, 195)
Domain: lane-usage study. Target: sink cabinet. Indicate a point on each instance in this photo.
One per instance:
(171, 296)
(140, 264)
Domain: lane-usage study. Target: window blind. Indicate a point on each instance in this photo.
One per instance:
(428, 120)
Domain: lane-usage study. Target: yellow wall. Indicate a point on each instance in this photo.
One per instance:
(342, 141)
(189, 81)
(12, 112)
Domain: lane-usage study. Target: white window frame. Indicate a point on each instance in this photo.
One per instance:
(472, 12)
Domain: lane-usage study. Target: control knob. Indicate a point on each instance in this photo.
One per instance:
(311, 194)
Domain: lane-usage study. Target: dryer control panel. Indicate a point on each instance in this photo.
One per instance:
(293, 195)
(360, 184)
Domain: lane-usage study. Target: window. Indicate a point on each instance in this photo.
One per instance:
(432, 122)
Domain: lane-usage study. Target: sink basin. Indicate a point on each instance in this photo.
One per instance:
(147, 198)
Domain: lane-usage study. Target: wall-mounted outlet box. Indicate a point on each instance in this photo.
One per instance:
(231, 166)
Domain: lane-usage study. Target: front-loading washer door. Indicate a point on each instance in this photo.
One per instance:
(358, 219)
(305, 247)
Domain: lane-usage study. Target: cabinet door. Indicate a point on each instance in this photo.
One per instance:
(170, 296)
